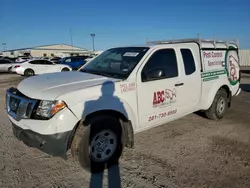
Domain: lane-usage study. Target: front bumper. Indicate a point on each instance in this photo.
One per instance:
(53, 144)
(50, 136)
(238, 91)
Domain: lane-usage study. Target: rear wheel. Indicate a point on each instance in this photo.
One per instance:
(99, 144)
(29, 72)
(219, 106)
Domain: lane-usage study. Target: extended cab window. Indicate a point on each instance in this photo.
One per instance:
(188, 61)
(162, 64)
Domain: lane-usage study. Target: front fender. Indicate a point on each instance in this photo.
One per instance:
(81, 110)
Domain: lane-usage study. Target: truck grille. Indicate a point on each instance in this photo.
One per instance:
(19, 106)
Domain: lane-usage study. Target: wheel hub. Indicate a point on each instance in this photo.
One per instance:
(221, 105)
(103, 145)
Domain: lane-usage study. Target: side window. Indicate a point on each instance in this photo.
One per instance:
(67, 60)
(48, 63)
(75, 59)
(162, 64)
(188, 60)
(43, 62)
(34, 62)
(38, 62)
(4, 62)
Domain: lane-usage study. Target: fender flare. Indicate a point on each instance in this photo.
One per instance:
(126, 111)
(128, 119)
(212, 94)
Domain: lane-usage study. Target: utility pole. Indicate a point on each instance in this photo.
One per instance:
(93, 40)
(71, 40)
(4, 46)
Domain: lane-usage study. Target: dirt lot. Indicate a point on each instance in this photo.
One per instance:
(190, 152)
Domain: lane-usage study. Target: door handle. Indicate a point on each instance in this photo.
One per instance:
(180, 84)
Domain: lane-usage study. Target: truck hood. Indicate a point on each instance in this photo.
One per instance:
(50, 86)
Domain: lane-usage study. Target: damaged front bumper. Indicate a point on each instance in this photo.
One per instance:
(53, 144)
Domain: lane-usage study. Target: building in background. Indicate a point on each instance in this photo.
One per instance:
(60, 50)
(244, 57)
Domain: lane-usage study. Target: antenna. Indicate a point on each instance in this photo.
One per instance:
(199, 38)
(71, 39)
(214, 41)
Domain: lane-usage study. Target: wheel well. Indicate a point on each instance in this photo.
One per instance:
(109, 113)
(127, 126)
(229, 95)
(29, 69)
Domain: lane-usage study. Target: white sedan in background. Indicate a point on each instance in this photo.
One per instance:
(39, 66)
(6, 65)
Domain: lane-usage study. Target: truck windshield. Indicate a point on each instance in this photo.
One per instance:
(116, 62)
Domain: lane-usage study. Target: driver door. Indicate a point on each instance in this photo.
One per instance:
(157, 88)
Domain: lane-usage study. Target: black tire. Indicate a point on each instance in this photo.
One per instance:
(29, 72)
(82, 147)
(219, 106)
(65, 69)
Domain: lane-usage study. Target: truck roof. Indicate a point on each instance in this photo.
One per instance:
(204, 43)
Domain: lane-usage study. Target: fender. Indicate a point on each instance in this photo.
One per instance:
(82, 110)
(207, 98)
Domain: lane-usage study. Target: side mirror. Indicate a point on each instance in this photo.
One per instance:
(154, 74)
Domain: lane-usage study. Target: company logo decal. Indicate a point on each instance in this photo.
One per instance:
(232, 64)
(164, 97)
(226, 60)
(127, 87)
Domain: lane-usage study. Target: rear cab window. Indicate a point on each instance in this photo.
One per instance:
(188, 60)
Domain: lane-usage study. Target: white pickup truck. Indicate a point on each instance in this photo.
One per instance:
(95, 112)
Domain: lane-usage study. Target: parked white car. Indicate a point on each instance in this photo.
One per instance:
(6, 65)
(96, 111)
(22, 59)
(39, 66)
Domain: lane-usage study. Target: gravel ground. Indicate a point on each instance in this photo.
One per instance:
(190, 152)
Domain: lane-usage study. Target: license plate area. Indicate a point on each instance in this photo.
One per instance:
(18, 106)
(14, 104)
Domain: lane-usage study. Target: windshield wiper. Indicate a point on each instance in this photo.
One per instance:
(97, 73)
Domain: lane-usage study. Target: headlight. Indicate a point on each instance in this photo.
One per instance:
(47, 109)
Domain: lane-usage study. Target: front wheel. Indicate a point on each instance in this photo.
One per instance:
(65, 69)
(99, 144)
(219, 106)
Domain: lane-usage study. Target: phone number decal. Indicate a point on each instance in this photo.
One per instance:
(162, 115)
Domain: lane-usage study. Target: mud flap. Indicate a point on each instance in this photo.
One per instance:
(129, 134)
